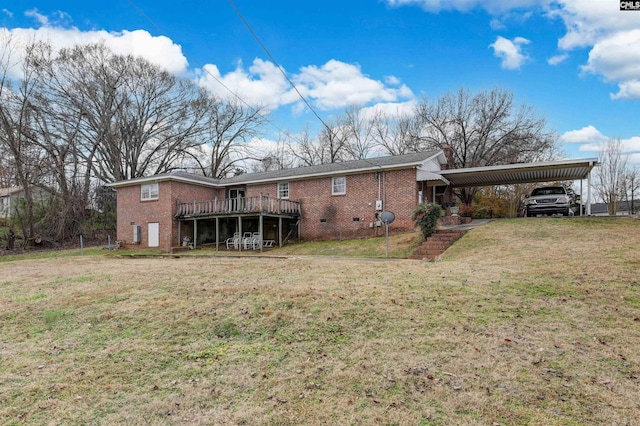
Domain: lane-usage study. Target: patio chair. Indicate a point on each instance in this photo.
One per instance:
(257, 241)
(268, 243)
(247, 240)
(234, 241)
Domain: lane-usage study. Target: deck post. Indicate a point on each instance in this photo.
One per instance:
(195, 232)
(217, 232)
(280, 231)
(240, 232)
(261, 226)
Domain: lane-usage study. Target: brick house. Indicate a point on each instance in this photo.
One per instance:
(328, 201)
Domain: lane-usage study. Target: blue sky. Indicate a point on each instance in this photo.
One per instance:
(575, 62)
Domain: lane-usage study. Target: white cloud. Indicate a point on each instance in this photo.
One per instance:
(617, 59)
(612, 37)
(591, 139)
(261, 85)
(7, 12)
(598, 25)
(634, 159)
(338, 84)
(557, 59)
(40, 18)
(335, 84)
(389, 109)
(585, 135)
(159, 50)
(628, 90)
(493, 6)
(627, 146)
(510, 52)
(393, 80)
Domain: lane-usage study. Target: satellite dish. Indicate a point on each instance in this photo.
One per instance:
(387, 217)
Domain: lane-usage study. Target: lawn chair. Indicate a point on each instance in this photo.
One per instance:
(257, 241)
(234, 241)
(268, 243)
(247, 240)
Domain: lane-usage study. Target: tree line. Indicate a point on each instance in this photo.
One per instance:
(75, 119)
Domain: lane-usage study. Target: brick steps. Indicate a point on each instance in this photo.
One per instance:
(436, 244)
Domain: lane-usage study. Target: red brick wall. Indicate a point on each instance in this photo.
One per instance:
(324, 216)
(133, 211)
(399, 193)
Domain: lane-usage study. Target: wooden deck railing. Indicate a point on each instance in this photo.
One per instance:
(259, 204)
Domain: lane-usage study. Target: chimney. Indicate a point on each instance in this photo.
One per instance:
(448, 153)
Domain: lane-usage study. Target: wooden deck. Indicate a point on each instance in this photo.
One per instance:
(262, 204)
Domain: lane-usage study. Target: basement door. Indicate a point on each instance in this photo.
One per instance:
(154, 234)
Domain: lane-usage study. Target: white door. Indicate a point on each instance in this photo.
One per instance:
(154, 235)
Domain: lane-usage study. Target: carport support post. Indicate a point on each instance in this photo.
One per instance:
(589, 194)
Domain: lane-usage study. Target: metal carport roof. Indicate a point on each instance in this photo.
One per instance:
(520, 173)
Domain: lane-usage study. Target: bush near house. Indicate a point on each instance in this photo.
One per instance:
(426, 216)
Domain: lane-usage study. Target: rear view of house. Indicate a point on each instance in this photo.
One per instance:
(329, 201)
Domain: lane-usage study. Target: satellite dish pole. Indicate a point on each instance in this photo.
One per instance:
(387, 218)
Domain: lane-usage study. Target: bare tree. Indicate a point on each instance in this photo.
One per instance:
(631, 188)
(484, 129)
(330, 146)
(396, 134)
(226, 128)
(610, 174)
(359, 133)
(16, 118)
(138, 119)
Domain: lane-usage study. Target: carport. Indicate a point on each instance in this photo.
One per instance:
(549, 171)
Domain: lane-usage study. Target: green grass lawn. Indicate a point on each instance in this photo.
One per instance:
(525, 321)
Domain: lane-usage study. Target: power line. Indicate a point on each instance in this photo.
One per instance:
(234, 94)
(282, 71)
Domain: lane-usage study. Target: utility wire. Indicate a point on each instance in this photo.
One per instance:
(282, 71)
(238, 97)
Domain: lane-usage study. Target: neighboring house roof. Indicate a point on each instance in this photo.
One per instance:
(346, 167)
(623, 206)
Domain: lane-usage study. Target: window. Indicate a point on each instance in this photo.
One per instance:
(149, 192)
(283, 190)
(338, 185)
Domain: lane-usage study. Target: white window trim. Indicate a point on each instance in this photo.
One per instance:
(333, 185)
(281, 191)
(148, 194)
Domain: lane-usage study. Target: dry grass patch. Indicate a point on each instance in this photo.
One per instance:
(523, 322)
